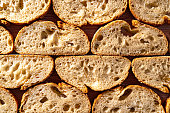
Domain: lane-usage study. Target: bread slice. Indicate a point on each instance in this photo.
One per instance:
(23, 11)
(153, 71)
(24, 70)
(53, 98)
(6, 41)
(154, 12)
(8, 103)
(168, 106)
(44, 37)
(133, 98)
(97, 72)
(118, 38)
(94, 12)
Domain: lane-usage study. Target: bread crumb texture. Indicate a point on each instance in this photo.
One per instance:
(89, 11)
(97, 72)
(133, 98)
(168, 105)
(153, 71)
(24, 70)
(8, 103)
(117, 38)
(23, 11)
(154, 12)
(53, 98)
(45, 37)
(6, 41)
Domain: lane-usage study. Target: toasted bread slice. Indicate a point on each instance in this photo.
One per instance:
(153, 71)
(53, 98)
(94, 12)
(6, 41)
(133, 98)
(97, 72)
(168, 105)
(154, 12)
(46, 38)
(117, 38)
(8, 103)
(24, 70)
(23, 11)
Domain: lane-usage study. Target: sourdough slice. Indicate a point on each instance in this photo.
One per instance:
(117, 38)
(53, 98)
(133, 98)
(168, 106)
(23, 11)
(8, 103)
(154, 12)
(6, 41)
(24, 70)
(95, 12)
(44, 37)
(97, 72)
(153, 71)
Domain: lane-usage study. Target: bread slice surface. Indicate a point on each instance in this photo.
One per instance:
(168, 105)
(23, 11)
(24, 70)
(47, 38)
(154, 12)
(6, 40)
(94, 12)
(133, 98)
(118, 38)
(153, 71)
(97, 72)
(8, 103)
(53, 98)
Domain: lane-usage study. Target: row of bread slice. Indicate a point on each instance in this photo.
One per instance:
(115, 38)
(63, 98)
(82, 12)
(97, 72)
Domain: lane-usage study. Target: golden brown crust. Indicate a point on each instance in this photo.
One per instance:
(165, 90)
(136, 24)
(85, 90)
(168, 105)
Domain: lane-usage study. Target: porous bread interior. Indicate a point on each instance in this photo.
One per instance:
(151, 11)
(22, 11)
(153, 71)
(131, 99)
(97, 72)
(94, 11)
(51, 98)
(45, 37)
(8, 103)
(117, 38)
(23, 71)
(6, 41)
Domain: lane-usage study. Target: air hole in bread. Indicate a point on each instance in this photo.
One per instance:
(125, 94)
(6, 67)
(150, 38)
(152, 5)
(147, 71)
(90, 68)
(24, 71)
(44, 99)
(100, 37)
(132, 109)
(44, 35)
(96, 46)
(156, 102)
(153, 110)
(160, 35)
(55, 90)
(123, 9)
(78, 47)
(19, 43)
(119, 40)
(103, 6)
(105, 69)
(116, 78)
(50, 30)
(2, 102)
(66, 107)
(9, 42)
(21, 4)
(143, 50)
(116, 109)
(85, 70)
(70, 43)
(43, 44)
(125, 30)
(84, 3)
(77, 106)
(105, 109)
(152, 49)
(46, 1)
(143, 41)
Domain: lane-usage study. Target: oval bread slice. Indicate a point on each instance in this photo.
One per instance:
(97, 72)
(8, 103)
(53, 98)
(154, 12)
(24, 70)
(23, 11)
(94, 12)
(133, 98)
(117, 38)
(47, 38)
(153, 71)
(168, 106)
(6, 41)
